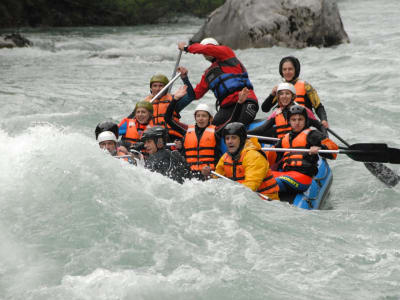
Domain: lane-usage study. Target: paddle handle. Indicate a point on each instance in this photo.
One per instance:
(166, 87)
(222, 176)
(266, 138)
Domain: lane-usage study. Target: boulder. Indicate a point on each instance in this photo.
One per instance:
(14, 40)
(242, 24)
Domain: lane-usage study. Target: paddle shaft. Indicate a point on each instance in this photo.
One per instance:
(166, 87)
(176, 67)
(308, 150)
(226, 178)
(266, 138)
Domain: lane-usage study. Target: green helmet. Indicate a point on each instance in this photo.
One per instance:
(159, 78)
(145, 104)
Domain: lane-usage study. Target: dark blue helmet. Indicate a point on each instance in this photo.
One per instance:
(107, 126)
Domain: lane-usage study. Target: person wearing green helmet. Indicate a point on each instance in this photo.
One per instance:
(132, 127)
(160, 105)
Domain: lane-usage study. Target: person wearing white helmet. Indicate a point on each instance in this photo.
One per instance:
(306, 95)
(226, 77)
(200, 145)
(277, 124)
(107, 136)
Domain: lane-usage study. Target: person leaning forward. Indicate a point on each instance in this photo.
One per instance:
(244, 162)
(226, 77)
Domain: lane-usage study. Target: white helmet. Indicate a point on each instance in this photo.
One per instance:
(106, 136)
(286, 86)
(208, 41)
(203, 107)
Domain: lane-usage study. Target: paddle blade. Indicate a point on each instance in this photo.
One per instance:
(368, 152)
(394, 155)
(383, 173)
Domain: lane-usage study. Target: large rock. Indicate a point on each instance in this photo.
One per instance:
(14, 40)
(244, 24)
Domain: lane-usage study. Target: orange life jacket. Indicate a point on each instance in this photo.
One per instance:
(235, 171)
(294, 159)
(281, 125)
(201, 153)
(134, 130)
(300, 92)
(160, 107)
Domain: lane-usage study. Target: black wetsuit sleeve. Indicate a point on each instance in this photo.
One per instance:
(177, 126)
(265, 129)
(180, 170)
(317, 124)
(188, 98)
(314, 138)
(321, 113)
(268, 103)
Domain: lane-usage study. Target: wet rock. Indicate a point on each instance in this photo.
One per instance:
(14, 40)
(244, 24)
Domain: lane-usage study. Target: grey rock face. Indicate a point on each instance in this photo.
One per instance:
(244, 24)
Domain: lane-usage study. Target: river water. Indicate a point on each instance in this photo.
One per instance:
(78, 224)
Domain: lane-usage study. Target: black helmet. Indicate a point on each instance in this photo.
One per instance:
(153, 133)
(298, 110)
(107, 126)
(236, 128)
(294, 61)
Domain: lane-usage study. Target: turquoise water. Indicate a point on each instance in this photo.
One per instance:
(77, 224)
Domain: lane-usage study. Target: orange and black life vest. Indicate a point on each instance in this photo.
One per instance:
(234, 170)
(300, 92)
(281, 125)
(160, 107)
(134, 130)
(293, 160)
(201, 153)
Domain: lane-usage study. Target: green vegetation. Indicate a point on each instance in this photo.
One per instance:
(17, 13)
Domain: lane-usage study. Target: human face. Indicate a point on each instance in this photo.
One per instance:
(232, 142)
(202, 118)
(142, 115)
(209, 58)
(150, 146)
(110, 146)
(297, 122)
(284, 98)
(156, 87)
(288, 70)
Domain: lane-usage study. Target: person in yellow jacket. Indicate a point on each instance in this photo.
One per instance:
(245, 162)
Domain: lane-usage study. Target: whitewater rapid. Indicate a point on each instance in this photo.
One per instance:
(77, 224)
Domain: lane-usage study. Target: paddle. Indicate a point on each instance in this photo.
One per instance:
(176, 67)
(166, 87)
(265, 138)
(222, 176)
(364, 152)
(383, 173)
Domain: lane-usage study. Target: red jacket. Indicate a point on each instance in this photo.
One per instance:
(221, 54)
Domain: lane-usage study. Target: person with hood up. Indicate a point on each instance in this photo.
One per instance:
(306, 95)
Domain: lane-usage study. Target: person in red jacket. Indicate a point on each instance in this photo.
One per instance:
(226, 77)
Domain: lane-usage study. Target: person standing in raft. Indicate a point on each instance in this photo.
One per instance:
(297, 169)
(107, 136)
(306, 95)
(245, 162)
(160, 105)
(277, 124)
(161, 160)
(226, 77)
(200, 140)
